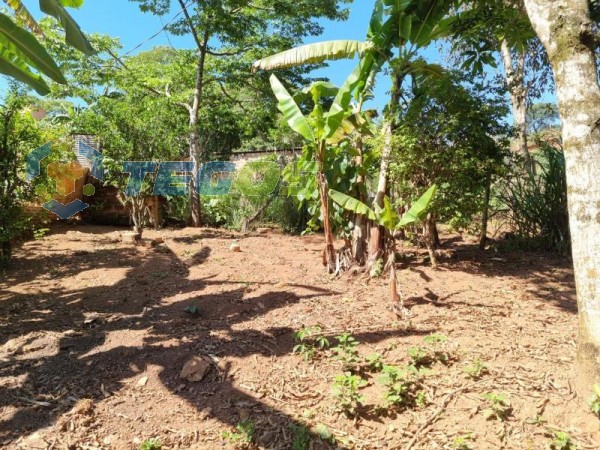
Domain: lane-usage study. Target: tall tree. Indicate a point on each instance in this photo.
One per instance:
(490, 29)
(230, 30)
(567, 31)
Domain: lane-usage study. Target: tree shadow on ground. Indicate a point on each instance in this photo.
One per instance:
(542, 271)
(84, 357)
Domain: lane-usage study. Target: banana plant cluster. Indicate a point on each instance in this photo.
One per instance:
(397, 31)
(22, 56)
(321, 129)
(387, 216)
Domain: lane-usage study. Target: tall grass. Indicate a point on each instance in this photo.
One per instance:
(536, 203)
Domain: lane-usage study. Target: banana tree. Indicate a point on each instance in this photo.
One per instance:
(320, 129)
(23, 57)
(398, 30)
(387, 218)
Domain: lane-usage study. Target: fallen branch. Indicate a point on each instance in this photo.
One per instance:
(431, 419)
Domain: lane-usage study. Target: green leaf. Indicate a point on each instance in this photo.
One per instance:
(312, 53)
(387, 216)
(351, 204)
(419, 209)
(340, 107)
(23, 14)
(27, 48)
(17, 68)
(73, 34)
(291, 111)
(72, 3)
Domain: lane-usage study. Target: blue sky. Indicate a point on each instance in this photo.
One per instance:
(123, 19)
(133, 27)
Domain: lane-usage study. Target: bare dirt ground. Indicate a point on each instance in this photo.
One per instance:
(94, 334)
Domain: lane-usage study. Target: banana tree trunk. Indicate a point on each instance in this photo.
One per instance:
(566, 30)
(429, 237)
(377, 235)
(518, 97)
(329, 255)
(359, 233)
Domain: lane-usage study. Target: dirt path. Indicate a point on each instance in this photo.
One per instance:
(94, 333)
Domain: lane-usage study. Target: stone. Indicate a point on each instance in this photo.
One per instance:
(235, 248)
(157, 241)
(195, 369)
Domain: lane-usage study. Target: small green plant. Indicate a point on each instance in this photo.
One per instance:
(421, 399)
(151, 444)
(594, 400)
(40, 233)
(420, 356)
(499, 406)
(346, 395)
(310, 341)
(375, 362)
(433, 339)
(562, 441)
(244, 434)
(476, 369)
(377, 269)
(400, 384)
(193, 309)
(462, 442)
(300, 437)
(346, 351)
(324, 433)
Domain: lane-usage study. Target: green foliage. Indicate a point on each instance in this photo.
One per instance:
(39, 233)
(462, 442)
(151, 444)
(310, 341)
(243, 434)
(400, 384)
(434, 339)
(21, 54)
(420, 356)
(498, 406)
(536, 203)
(562, 441)
(476, 369)
(346, 351)
(300, 437)
(377, 268)
(451, 134)
(594, 400)
(19, 136)
(346, 395)
(387, 216)
(375, 362)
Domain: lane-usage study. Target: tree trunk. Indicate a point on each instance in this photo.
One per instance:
(565, 29)
(377, 236)
(485, 212)
(429, 238)
(359, 233)
(5, 252)
(376, 240)
(329, 255)
(518, 97)
(196, 150)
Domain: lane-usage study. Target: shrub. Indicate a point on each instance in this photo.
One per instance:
(536, 203)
